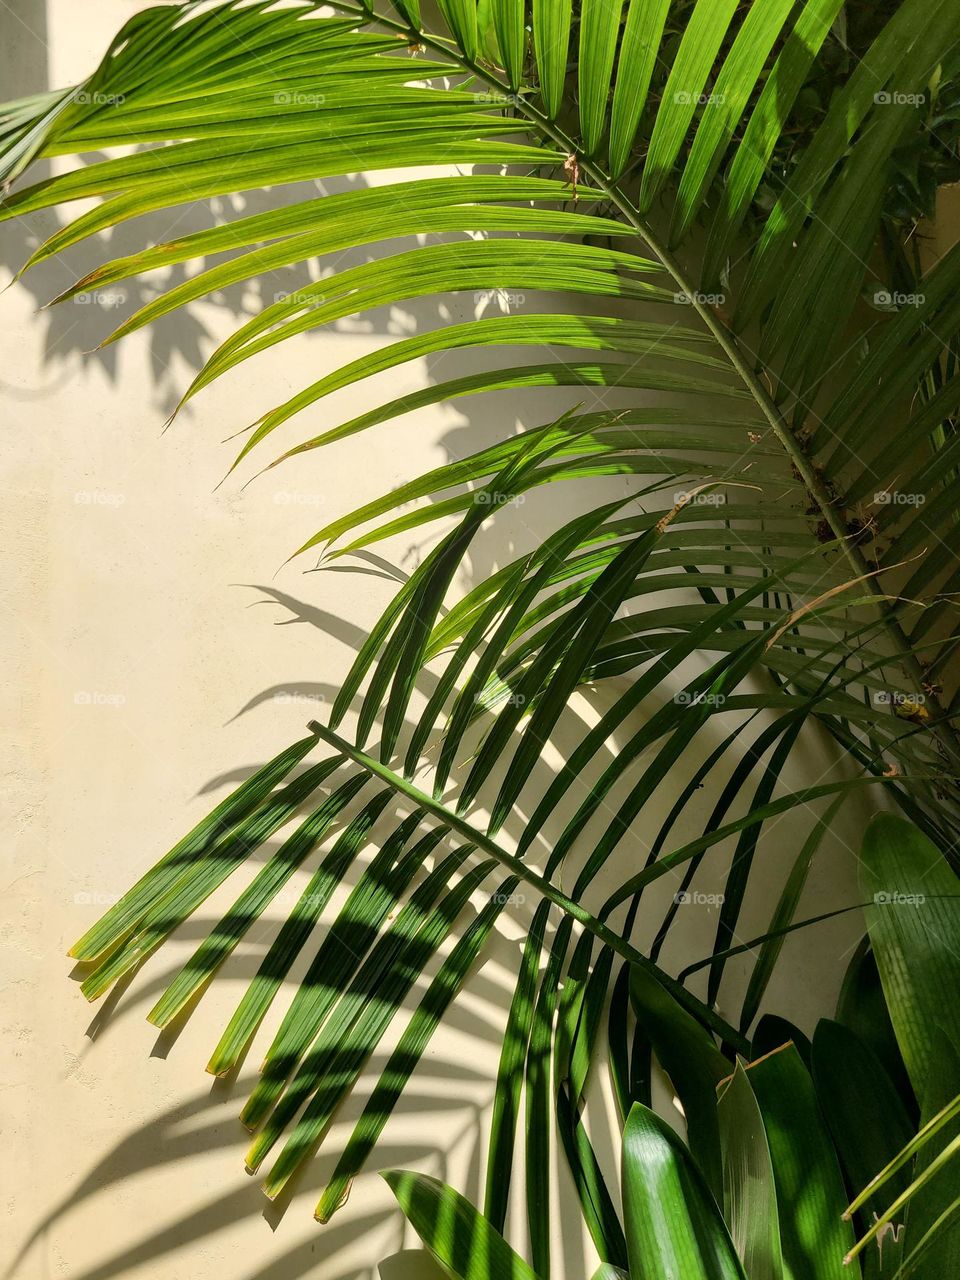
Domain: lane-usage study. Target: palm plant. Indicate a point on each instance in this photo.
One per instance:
(786, 556)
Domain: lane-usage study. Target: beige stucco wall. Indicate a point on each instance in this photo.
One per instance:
(139, 682)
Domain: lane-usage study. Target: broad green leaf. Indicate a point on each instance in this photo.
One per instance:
(868, 1122)
(914, 925)
(773, 1032)
(673, 1225)
(694, 1064)
(810, 1194)
(749, 1190)
(460, 1238)
(931, 1128)
(861, 1007)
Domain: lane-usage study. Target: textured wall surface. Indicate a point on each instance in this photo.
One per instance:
(139, 683)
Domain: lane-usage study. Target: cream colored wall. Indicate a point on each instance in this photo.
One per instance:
(140, 683)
